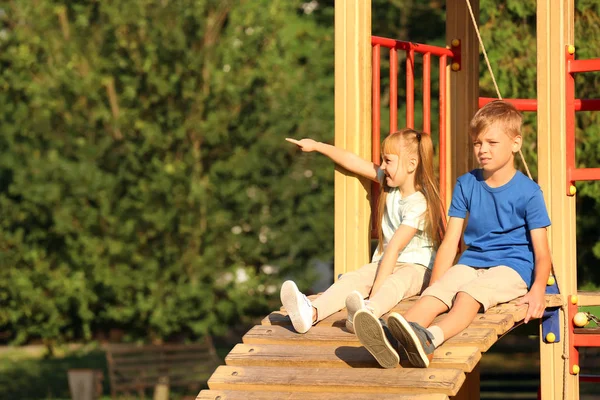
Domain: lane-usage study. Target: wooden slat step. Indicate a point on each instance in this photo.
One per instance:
(463, 358)
(501, 323)
(357, 380)
(323, 336)
(246, 395)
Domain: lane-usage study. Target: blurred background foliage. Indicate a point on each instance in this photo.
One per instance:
(146, 191)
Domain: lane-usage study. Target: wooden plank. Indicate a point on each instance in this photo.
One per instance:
(332, 336)
(316, 336)
(515, 311)
(363, 380)
(247, 395)
(588, 298)
(271, 355)
(483, 339)
(501, 323)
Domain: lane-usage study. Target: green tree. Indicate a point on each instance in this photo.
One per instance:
(144, 183)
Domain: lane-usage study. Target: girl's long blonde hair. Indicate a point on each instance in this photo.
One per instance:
(404, 143)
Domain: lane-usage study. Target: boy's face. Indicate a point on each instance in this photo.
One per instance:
(494, 149)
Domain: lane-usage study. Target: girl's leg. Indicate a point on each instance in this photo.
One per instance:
(333, 299)
(406, 280)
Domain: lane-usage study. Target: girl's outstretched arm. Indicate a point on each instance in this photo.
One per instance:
(401, 237)
(343, 158)
(448, 249)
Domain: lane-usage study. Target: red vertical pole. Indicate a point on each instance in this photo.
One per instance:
(410, 88)
(427, 93)
(376, 104)
(442, 123)
(570, 122)
(375, 127)
(393, 90)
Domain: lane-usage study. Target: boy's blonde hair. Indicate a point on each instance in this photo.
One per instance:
(497, 112)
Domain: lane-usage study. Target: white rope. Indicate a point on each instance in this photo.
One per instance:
(489, 66)
(565, 355)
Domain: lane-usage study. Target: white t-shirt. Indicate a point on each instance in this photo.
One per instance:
(408, 211)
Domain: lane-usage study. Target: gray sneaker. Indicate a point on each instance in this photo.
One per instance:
(417, 340)
(354, 302)
(372, 334)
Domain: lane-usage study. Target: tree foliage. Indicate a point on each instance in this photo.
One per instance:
(145, 185)
(144, 182)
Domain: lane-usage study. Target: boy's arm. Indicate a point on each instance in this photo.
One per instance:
(535, 298)
(344, 158)
(448, 249)
(401, 237)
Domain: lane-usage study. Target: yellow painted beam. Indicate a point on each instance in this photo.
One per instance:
(352, 131)
(555, 31)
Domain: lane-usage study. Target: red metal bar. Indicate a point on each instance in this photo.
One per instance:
(376, 104)
(442, 123)
(589, 378)
(417, 47)
(586, 340)
(585, 174)
(393, 90)
(591, 65)
(410, 89)
(427, 92)
(520, 104)
(531, 104)
(570, 122)
(375, 128)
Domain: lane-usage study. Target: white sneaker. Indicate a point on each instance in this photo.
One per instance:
(298, 307)
(354, 302)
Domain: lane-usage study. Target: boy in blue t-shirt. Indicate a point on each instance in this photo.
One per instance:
(507, 256)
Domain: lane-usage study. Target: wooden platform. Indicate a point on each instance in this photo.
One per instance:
(327, 362)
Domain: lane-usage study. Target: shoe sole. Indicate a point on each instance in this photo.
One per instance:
(355, 303)
(403, 332)
(291, 298)
(370, 333)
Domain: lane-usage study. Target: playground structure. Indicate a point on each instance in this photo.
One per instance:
(275, 362)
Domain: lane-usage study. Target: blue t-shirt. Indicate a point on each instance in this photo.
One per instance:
(500, 219)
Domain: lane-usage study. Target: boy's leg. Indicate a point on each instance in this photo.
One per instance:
(411, 330)
(376, 338)
(425, 310)
(405, 281)
(493, 286)
(334, 298)
(461, 315)
(438, 297)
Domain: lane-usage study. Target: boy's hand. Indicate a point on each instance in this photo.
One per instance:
(306, 145)
(536, 300)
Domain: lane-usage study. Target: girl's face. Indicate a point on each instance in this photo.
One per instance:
(395, 170)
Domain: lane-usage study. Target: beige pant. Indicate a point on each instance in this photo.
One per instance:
(489, 286)
(406, 280)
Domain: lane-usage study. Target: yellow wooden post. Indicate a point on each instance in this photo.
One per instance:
(555, 20)
(352, 131)
(463, 103)
(464, 88)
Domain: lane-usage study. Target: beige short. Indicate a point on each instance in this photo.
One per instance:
(489, 286)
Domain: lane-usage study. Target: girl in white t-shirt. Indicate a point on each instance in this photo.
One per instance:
(410, 223)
